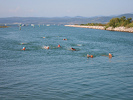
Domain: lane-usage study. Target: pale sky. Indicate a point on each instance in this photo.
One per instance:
(61, 8)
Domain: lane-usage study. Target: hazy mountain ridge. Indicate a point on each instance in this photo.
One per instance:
(60, 20)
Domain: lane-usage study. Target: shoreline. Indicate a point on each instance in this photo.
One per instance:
(120, 29)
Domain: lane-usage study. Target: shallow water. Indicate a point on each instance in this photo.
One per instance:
(62, 74)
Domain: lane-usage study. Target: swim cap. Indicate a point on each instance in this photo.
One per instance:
(58, 45)
(23, 48)
(91, 56)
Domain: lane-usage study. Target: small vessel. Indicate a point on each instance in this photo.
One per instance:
(33, 25)
(48, 25)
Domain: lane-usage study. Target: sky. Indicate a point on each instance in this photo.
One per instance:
(61, 8)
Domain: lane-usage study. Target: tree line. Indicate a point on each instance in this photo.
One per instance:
(114, 22)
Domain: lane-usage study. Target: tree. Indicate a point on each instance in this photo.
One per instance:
(116, 22)
(112, 23)
(123, 18)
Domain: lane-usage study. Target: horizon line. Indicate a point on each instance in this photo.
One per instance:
(65, 16)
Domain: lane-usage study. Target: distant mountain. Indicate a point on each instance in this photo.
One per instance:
(128, 15)
(60, 20)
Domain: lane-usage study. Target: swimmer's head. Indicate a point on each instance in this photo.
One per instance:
(110, 56)
(91, 56)
(23, 48)
(21, 43)
(88, 55)
(73, 49)
(59, 46)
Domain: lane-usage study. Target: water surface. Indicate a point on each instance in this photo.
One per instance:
(62, 74)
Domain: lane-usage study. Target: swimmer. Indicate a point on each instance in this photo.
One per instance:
(43, 37)
(89, 56)
(64, 39)
(59, 46)
(73, 49)
(21, 43)
(110, 56)
(46, 47)
(23, 48)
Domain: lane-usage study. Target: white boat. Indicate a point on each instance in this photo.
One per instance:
(48, 25)
(32, 25)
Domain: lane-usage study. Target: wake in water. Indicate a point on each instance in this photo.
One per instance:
(79, 45)
(46, 47)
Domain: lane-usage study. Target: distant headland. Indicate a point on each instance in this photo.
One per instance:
(116, 24)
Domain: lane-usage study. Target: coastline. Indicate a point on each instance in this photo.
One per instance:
(120, 29)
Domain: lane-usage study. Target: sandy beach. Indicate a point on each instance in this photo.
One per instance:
(121, 29)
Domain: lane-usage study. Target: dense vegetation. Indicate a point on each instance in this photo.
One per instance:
(115, 22)
(94, 24)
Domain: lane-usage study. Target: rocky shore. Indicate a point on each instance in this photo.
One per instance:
(121, 29)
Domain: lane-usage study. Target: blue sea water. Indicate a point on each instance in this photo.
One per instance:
(62, 74)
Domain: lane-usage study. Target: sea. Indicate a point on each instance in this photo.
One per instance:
(60, 73)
